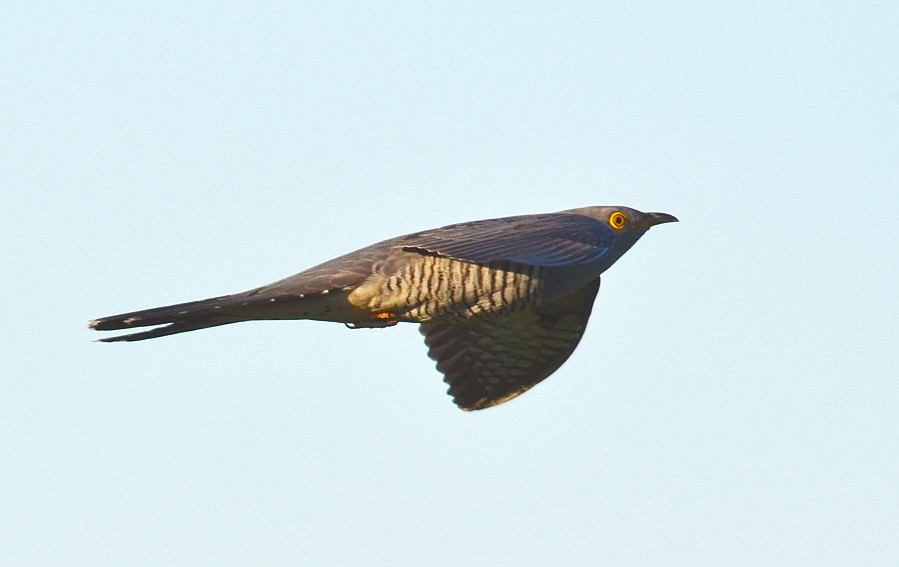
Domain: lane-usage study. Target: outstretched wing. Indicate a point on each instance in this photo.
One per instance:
(557, 239)
(492, 358)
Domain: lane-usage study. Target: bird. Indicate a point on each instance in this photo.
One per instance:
(502, 303)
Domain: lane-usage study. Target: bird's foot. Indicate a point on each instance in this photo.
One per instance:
(379, 320)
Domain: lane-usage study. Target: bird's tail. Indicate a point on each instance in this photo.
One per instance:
(266, 303)
(178, 318)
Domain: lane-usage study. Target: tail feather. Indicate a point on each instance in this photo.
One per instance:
(171, 329)
(178, 318)
(216, 311)
(158, 315)
(319, 293)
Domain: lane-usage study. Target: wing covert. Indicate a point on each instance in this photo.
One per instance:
(557, 239)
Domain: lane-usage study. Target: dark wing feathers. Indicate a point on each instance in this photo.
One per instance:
(558, 239)
(341, 272)
(493, 358)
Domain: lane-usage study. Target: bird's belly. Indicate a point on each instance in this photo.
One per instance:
(424, 288)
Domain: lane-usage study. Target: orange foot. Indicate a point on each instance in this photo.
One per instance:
(379, 320)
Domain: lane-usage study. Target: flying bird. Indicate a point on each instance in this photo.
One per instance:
(502, 303)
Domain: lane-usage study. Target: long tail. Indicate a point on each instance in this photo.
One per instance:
(178, 318)
(318, 293)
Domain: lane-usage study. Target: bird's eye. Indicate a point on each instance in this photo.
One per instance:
(618, 220)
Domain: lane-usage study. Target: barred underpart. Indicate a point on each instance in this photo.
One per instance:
(434, 287)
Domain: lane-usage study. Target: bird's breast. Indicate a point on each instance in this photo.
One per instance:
(419, 287)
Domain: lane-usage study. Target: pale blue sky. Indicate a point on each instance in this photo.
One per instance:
(734, 401)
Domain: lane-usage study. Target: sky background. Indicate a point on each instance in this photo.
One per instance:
(733, 402)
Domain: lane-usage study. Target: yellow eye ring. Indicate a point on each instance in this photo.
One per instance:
(618, 220)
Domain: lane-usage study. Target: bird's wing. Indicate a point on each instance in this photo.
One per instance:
(492, 358)
(557, 239)
(341, 272)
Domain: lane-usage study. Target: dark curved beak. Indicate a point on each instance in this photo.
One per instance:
(659, 218)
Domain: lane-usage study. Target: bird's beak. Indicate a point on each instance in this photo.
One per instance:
(653, 219)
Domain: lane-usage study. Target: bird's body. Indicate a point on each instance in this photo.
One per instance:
(502, 302)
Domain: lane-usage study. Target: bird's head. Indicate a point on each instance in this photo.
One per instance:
(625, 226)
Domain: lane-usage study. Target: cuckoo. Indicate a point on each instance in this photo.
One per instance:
(502, 303)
